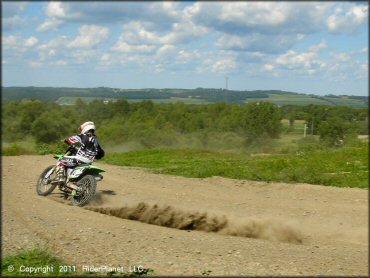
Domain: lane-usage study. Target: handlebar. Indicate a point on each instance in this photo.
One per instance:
(72, 150)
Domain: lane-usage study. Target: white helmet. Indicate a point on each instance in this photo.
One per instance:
(85, 127)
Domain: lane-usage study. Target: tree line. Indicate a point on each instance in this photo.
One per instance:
(163, 124)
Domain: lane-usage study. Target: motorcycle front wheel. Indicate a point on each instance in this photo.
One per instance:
(87, 187)
(44, 186)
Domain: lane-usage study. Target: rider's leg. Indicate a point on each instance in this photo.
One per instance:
(63, 163)
(60, 171)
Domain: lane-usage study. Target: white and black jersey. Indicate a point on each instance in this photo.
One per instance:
(89, 147)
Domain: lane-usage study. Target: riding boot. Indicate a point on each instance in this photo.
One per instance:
(60, 174)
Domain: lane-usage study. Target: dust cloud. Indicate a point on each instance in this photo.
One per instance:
(167, 216)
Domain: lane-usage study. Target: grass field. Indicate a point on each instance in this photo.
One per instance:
(283, 99)
(175, 99)
(72, 100)
(344, 167)
(11, 265)
(296, 99)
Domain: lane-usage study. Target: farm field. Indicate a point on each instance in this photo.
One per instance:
(299, 99)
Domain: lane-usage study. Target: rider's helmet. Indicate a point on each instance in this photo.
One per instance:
(86, 127)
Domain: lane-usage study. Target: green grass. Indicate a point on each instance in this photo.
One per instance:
(32, 258)
(12, 149)
(72, 100)
(344, 167)
(294, 99)
(278, 99)
(345, 101)
(44, 264)
(174, 100)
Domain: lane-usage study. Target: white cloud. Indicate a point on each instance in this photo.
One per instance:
(165, 50)
(341, 57)
(254, 13)
(61, 62)
(105, 57)
(184, 32)
(293, 60)
(305, 63)
(57, 42)
(363, 71)
(90, 35)
(10, 41)
(35, 64)
(364, 50)
(82, 56)
(300, 37)
(219, 65)
(105, 60)
(137, 32)
(49, 24)
(52, 52)
(318, 47)
(31, 42)
(123, 46)
(161, 14)
(64, 50)
(14, 23)
(311, 72)
(256, 42)
(55, 9)
(263, 17)
(223, 66)
(16, 46)
(269, 67)
(349, 21)
(12, 18)
(56, 15)
(186, 55)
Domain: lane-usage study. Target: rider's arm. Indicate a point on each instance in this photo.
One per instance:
(73, 140)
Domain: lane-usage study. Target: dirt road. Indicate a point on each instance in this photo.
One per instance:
(256, 228)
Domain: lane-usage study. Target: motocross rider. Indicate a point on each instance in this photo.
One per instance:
(89, 150)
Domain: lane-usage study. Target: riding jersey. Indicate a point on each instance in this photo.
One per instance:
(89, 147)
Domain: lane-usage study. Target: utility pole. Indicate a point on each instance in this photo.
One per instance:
(312, 126)
(226, 81)
(304, 130)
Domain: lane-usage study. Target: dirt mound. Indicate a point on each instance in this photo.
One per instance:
(168, 216)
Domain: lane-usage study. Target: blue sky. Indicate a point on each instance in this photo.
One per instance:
(305, 47)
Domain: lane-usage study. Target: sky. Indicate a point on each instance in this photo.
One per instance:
(306, 47)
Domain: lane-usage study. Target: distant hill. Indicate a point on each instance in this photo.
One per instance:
(195, 96)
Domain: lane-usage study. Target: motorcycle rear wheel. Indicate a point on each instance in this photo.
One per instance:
(44, 186)
(88, 188)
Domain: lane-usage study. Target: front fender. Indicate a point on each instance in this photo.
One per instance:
(83, 170)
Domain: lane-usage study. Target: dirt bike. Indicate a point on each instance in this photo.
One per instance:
(80, 181)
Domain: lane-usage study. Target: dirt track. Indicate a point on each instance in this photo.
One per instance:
(330, 224)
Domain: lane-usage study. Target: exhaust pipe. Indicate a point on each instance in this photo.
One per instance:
(98, 177)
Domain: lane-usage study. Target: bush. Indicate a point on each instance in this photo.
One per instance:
(49, 127)
(54, 148)
(333, 131)
(14, 149)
